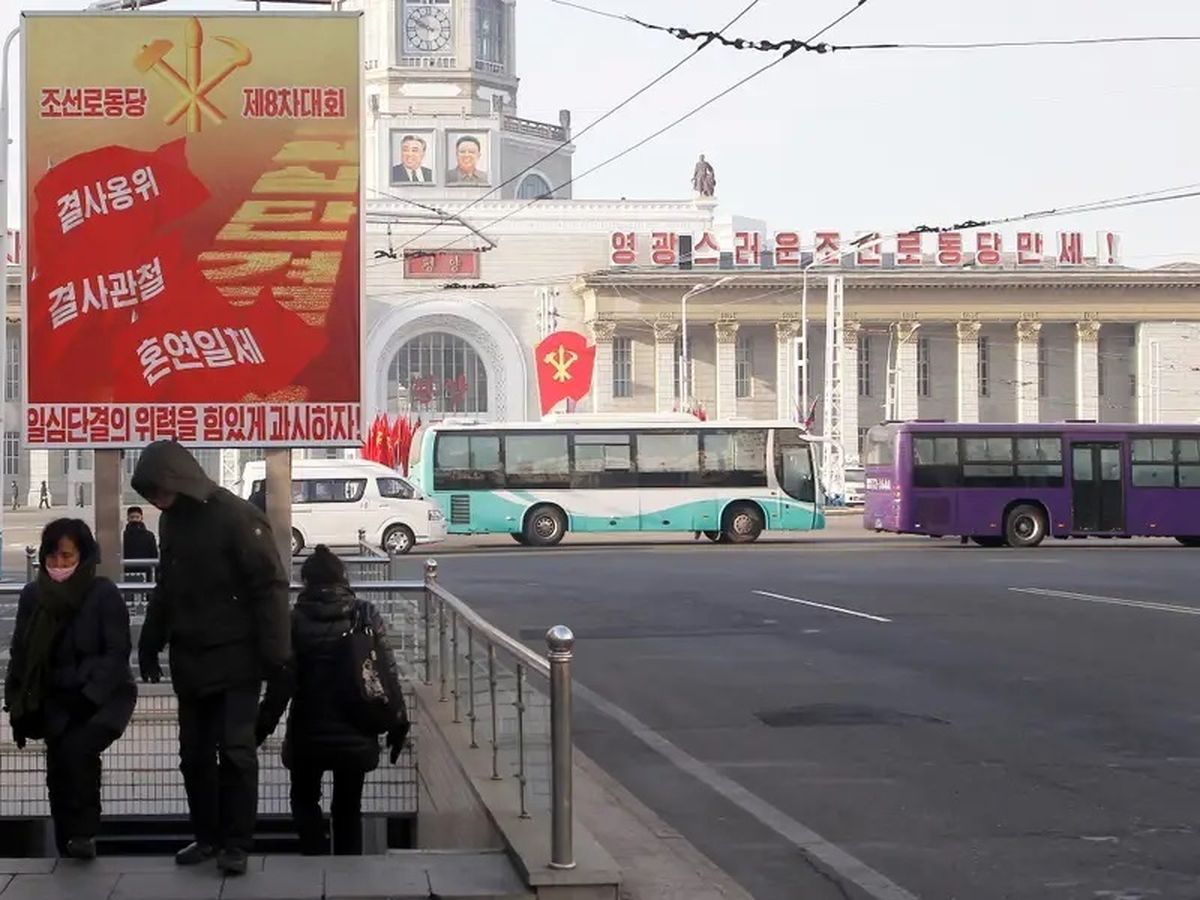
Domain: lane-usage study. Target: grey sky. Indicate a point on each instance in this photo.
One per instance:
(882, 140)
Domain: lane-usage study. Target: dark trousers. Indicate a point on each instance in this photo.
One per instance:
(73, 780)
(345, 809)
(218, 756)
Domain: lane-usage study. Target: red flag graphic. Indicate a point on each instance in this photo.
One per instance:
(564, 365)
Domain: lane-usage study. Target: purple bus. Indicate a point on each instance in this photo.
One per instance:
(1005, 484)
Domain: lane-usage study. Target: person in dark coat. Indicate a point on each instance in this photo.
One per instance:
(138, 542)
(68, 680)
(221, 604)
(320, 735)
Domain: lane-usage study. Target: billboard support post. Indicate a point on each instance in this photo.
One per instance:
(106, 470)
(279, 501)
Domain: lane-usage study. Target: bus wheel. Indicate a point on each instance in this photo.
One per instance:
(1189, 541)
(743, 523)
(1025, 526)
(987, 541)
(713, 536)
(545, 526)
(519, 537)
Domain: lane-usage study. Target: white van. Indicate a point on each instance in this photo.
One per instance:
(333, 498)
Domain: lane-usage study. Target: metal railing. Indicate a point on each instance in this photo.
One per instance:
(479, 669)
(454, 634)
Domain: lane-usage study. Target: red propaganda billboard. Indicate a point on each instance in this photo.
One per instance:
(193, 229)
(564, 361)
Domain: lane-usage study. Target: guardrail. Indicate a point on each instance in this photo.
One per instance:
(437, 638)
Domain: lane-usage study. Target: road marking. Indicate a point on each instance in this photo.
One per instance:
(848, 612)
(873, 883)
(1110, 601)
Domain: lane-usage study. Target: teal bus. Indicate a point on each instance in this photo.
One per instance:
(536, 481)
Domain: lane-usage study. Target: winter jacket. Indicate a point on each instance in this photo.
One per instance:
(89, 677)
(319, 731)
(221, 599)
(139, 542)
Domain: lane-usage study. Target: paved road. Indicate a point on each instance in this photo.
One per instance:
(973, 724)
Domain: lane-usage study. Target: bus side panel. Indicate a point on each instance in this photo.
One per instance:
(480, 512)
(601, 511)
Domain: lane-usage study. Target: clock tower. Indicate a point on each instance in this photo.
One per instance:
(441, 105)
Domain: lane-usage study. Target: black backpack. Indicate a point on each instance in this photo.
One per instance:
(368, 705)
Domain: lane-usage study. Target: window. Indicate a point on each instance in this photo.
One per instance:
(1043, 368)
(923, 379)
(83, 460)
(12, 364)
(862, 440)
(935, 461)
(395, 489)
(603, 461)
(1039, 460)
(881, 445)
(794, 465)
(691, 374)
(465, 462)
(1165, 462)
(743, 366)
(490, 36)
(984, 368)
(536, 460)
(330, 490)
(1100, 367)
(12, 454)
(435, 375)
(864, 366)
(668, 459)
(533, 187)
(622, 384)
(734, 458)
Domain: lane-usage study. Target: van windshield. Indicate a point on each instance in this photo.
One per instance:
(396, 489)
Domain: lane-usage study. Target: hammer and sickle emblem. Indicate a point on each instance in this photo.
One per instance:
(192, 86)
(562, 359)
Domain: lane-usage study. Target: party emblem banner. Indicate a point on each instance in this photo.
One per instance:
(193, 202)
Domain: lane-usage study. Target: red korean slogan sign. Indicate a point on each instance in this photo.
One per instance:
(783, 250)
(193, 264)
(565, 362)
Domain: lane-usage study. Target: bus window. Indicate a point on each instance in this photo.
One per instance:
(602, 461)
(668, 459)
(794, 466)
(465, 462)
(536, 460)
(734, 458)
(881, 445)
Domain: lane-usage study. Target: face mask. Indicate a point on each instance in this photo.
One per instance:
(60, 575)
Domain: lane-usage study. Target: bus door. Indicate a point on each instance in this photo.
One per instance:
(1097, 488)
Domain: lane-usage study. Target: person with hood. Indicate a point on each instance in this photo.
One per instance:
(322, 735)
(68, 680)
(221, 604)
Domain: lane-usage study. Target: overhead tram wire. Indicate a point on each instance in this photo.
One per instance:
(613, 111)
(683, 118)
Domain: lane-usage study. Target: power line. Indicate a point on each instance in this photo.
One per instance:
(794, 44)
(683, 118)
(670, 71)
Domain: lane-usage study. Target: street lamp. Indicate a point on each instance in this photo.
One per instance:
(684, 381)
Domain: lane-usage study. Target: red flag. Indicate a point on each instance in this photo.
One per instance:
(564, 365)
(812, 416)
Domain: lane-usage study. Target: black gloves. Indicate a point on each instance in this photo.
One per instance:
(395, 741)
(149, 667)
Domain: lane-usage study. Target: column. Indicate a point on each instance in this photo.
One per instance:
(230, 472)
(968, 371)
(906, 369)
(1028, 336)
(786, 373)
(850, 333)
(666, 330)
(39, 471)
(602, 376)
(1087, 370)
(726, 359)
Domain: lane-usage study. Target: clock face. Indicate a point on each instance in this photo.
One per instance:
(427, 28)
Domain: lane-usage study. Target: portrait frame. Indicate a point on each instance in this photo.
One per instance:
(453, 176)
(430, 163)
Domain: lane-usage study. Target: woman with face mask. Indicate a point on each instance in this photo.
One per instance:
(68, 681)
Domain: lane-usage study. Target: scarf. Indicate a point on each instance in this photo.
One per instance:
(57, 603)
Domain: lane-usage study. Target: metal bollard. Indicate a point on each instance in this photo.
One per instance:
(30, 556)
(560, 644)
(362, 539)
(431, 574)
(457, 719)
(443, 652)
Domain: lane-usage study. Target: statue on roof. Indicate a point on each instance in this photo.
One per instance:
(704, 179)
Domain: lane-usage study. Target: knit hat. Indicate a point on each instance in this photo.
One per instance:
(323, 567)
